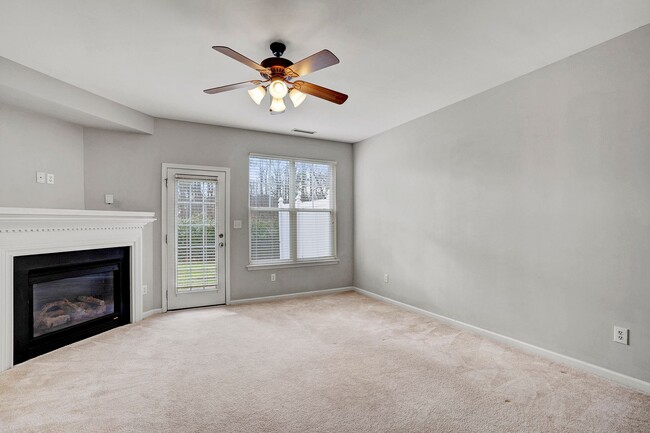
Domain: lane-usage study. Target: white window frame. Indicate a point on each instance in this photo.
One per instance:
(294, 262)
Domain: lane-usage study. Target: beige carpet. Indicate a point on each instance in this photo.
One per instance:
(339, 363)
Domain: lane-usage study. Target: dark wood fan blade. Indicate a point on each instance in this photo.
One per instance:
(242, 59)
(243, 84)
(320, 92)
(313, 63)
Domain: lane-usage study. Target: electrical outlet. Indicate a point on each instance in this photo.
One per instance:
(40, 177)
(621, 334)
(272, 277)
(145, 289)
(50, 178)
(385, 278)
(236, 224)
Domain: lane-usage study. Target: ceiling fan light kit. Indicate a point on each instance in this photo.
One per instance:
(277, 105)
(297, 97)
(257, 94)
(279, 75)
(277, 88)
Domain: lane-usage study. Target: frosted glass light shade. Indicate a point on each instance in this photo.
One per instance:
(277, 105)
(278, 89)
(297, 97)
(257, 94)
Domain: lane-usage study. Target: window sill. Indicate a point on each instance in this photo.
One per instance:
(256, 267)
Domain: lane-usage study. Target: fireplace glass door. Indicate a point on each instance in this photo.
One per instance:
(60, 298)
(60, 303)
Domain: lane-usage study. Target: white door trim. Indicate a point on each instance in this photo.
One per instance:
(163, 228)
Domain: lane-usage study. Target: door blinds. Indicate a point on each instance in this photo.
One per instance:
(196, 242)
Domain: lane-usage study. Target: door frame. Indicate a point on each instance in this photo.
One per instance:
(163, 229)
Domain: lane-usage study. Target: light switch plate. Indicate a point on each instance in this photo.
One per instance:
(40, 177)
(236, 224)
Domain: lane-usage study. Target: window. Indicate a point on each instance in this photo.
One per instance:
(196, 245)
(292, 211)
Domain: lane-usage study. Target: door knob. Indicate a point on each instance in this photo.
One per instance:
(220, 235)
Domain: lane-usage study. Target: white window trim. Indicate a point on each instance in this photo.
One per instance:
(298, 263)
(261, 266)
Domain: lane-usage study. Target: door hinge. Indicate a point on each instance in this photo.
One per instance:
(166, 185)
(165, 238)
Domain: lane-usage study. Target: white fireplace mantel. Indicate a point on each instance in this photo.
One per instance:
(26, 231)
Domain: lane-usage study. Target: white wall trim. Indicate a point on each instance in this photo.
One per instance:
(623, 379)
(151, 312)
(291, 295)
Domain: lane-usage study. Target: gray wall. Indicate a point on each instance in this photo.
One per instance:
(129, 166)
(524, 210)
(32, 142)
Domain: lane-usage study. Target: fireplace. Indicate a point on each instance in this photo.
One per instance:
(31, 233)
(60, 298)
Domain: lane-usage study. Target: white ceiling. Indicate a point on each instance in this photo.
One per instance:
(399, 59)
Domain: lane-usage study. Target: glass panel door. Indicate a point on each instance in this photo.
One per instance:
(196, 238)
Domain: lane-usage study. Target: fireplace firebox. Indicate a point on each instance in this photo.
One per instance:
(62, 298)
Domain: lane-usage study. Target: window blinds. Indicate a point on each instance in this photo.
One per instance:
(196, 243)
(292, 207)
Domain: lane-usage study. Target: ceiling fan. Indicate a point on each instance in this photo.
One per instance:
(278, 76)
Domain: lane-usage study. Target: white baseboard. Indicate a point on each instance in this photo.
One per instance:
(151, 312)
(623, 379)
(290, 295)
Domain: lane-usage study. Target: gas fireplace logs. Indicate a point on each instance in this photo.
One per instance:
(58, 313)
(90, 300)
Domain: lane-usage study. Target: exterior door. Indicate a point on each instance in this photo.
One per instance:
(196, 236)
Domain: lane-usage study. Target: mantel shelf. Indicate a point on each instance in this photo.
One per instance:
(42, 213)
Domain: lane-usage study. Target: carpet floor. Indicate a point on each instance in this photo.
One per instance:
(337, 363)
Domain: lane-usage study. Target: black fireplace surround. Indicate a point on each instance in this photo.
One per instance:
(61, 298)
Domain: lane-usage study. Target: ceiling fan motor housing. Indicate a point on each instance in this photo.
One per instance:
(277, 65)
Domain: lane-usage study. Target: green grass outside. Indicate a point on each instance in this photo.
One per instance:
(196, 270)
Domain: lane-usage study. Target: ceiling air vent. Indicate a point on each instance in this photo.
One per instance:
(302, 131)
